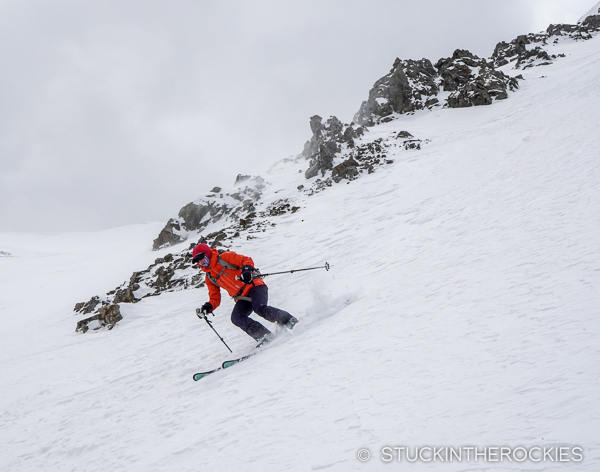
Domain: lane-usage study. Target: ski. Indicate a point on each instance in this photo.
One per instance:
(234, 361)
(261, 345)
(201, 375)
(225, 365)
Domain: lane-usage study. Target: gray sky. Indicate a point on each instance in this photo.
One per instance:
(120, 112)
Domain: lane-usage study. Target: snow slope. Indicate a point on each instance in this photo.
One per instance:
(461, 310)
(595, 10)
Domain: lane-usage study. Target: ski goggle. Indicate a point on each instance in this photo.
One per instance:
(201, 259)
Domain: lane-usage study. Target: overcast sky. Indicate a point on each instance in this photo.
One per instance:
(121, 112)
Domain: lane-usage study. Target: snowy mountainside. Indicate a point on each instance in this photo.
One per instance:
(595, 10)
(461, 308)
(336, 152)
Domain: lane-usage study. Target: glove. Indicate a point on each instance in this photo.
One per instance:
(206, 309)
(247, 274)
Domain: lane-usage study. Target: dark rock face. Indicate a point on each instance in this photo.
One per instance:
(163, 276)
(472, 94)
(169, 235)
(415, 85)
(281, 207)
(581, 31)
(87, 307)
(363, 158)
(592, 22)
(456, 71)
(345, 170)
(192, 214)
(528, 57)
(197, 215)
(506, 52)
(473, 81)
(527, 50)
(108, 316)
(241, 179)
(190, 219)
(326, 142)
(407, 87)
(126, 296)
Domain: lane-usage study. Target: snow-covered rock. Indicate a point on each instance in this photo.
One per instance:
(231, 205)
(594, 11)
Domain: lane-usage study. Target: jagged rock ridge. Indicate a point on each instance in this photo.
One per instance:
(418, 85)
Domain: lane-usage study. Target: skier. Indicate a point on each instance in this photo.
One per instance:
(235, 273)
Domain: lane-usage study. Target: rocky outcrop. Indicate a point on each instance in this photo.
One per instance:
(332, 150)
(364, 158)
(473, 81)
(534, 56)
(281, 207)
(456, 71)
(508, 52)
(592, 22)
(347, 169)
(108, 316)
(409, 86)
(87, 307)
(327, 141)
(169, 235)
(581, 31)
(530, 50)
(194, 217)
(415, 85)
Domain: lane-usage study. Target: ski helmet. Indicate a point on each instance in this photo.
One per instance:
(200, 251)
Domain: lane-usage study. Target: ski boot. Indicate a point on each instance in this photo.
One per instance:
(291, 323)
(264, 340)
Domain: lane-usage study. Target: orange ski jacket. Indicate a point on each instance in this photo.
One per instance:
(224, 272)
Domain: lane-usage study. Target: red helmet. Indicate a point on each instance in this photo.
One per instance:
(199, 250)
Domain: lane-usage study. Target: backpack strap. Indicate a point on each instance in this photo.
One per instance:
(225, 265)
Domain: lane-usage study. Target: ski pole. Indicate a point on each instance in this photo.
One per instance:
(198, 313)
(326, 267)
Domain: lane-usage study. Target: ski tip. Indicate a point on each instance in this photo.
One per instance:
(227, 364)
(201, 375)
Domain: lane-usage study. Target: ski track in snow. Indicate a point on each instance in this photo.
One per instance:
(461, 309)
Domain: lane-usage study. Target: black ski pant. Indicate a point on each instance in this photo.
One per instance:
(240, 316)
